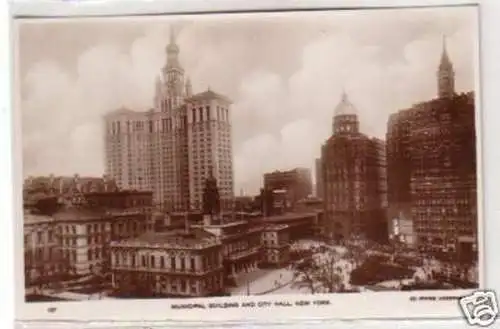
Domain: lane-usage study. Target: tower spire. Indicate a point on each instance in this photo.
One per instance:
(172, 48)
(445, 59)
(445, 73)
(343, 95)
(172, 36)
(173, 74)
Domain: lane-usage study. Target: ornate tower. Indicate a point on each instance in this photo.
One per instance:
(173, 76)
(445, 75)
(345, 119)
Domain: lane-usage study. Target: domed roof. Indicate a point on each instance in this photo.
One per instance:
(345, 107)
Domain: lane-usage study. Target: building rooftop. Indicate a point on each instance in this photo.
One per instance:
(31, 219)
(75, 214)
(276, 227)
(290, 217)
(118, 193)
(346, 136)
(208, 95)
(121, 111)
(175, 239)
(345, 107)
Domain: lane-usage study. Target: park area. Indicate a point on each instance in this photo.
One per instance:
(319, 267)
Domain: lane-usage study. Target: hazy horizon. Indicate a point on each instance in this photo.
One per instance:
(283, 71)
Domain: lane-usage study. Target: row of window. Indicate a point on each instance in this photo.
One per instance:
(95, 254)
(205, 114)
(169, 124)
(181, 263)
(179, 285)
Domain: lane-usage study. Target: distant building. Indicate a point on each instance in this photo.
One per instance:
(85, 229)
(319, 178)
(168, 264)
(61, 187)
(296, 182)
(170, 149)
(432, 178)
(352, 167)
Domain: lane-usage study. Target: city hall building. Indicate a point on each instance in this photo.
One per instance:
(179, 263)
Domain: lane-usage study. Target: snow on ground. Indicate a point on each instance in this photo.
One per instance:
(261, 281)
(306, 244)
(394, 283)
(291, 289)
(279, 281)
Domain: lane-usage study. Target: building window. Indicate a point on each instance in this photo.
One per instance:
(183, 263)
(172, 263)
(162, 262)
(200, 112)
(193, 264)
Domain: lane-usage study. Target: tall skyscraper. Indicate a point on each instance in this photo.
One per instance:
(432, 181)
(170, 148)
(352, 168)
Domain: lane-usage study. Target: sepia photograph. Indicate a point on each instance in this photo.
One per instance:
(230, 156)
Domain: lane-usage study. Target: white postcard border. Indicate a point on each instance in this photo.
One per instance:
(342, 306)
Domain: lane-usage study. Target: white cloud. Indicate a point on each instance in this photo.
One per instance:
(284, 88)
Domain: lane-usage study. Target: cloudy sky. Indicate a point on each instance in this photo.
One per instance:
(284, 73)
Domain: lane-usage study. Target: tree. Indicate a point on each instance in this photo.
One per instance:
(211, 197)
(320, 273)
(356, 254)
(47, 205)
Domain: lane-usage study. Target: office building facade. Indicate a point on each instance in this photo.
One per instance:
(171, 148)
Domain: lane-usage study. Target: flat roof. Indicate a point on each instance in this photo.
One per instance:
(290, 216)
(175, 239)
(276, 227)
